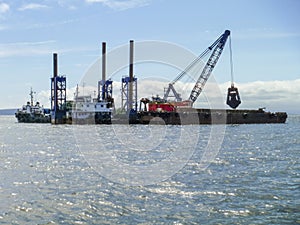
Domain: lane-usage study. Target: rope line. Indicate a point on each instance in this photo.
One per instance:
(231, 61)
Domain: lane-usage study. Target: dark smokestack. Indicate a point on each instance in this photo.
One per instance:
(55, 65)
(130, 97)
(131, 61)
(103, 61)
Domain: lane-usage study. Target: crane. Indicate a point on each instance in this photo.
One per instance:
(186, 70)
(233, 98)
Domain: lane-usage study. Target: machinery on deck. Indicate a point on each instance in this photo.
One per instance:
(178, 112)
(100, 109)
(233, 98)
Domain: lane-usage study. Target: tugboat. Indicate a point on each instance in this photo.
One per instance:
(33, 113)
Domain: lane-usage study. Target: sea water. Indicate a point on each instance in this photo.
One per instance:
(149, 174)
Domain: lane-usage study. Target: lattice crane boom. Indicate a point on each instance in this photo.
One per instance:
(209, 66)
(189, 67)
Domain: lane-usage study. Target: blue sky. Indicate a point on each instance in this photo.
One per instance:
(265, 39)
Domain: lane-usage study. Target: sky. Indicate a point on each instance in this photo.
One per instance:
(265, 36)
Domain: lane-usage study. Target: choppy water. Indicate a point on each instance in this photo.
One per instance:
(64, 174)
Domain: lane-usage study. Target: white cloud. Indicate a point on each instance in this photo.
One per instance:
(4, 7)
(25, 48)
(68, 4)
(3, 27)
(49, 25)
(121, 5)
(32, 6)
(35, 48)
(273, 95)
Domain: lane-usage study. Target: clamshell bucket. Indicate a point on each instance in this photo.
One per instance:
(233, 97)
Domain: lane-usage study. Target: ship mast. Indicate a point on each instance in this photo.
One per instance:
(31, 96)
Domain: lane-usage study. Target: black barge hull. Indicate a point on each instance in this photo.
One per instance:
(209, 116)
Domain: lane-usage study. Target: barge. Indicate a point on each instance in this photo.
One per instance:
(166, 113)
(210, 116)
(158, 110)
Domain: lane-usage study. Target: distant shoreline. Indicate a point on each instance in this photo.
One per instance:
(7, 111)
